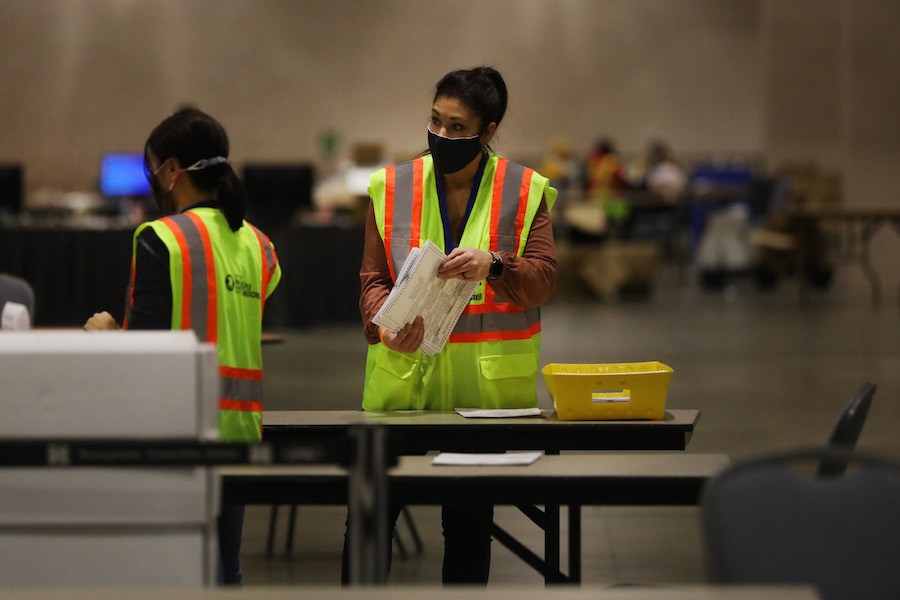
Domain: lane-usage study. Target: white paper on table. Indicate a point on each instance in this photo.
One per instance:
(498, 413)
(418, 292)
(463, 459)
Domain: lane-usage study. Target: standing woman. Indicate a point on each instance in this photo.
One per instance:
(491, 218)
(204, 268)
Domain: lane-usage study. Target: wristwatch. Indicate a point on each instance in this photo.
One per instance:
(496, 266)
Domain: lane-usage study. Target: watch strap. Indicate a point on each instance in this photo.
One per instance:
(496, 266)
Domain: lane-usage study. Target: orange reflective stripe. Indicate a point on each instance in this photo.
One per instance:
(241, 405)
(415, 230)
(212, 313)
(496, 203)
(236, 373)
(496, 336)
(497, 307)
(185, 271)
(523, 195)
(130, 296)
(389, 217)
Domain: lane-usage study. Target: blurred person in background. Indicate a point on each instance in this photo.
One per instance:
(604, 181)
(562, 170)
(659, 171)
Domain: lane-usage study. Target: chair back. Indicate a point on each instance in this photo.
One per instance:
(847, 428)
(766, 522)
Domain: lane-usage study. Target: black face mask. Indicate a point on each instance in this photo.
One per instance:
(452, 154)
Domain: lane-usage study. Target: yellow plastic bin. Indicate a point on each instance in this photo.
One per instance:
(608, 392)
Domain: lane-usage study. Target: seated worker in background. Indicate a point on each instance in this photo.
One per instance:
(659, 171)
(205, 268)
(604, 181)
(491, 217)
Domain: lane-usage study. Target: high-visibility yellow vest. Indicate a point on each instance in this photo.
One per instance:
(220, 282)
(491, 358)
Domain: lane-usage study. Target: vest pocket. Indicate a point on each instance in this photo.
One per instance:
(508, 381)
(394, 382)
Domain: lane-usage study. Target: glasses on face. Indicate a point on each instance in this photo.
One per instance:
(149, 172)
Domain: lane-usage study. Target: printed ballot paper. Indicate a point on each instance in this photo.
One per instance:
(418, 292)
(495, 460)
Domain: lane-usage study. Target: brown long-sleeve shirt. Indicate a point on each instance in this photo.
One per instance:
(527, 280)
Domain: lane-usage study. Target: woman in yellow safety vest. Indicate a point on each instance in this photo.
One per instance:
(490, 216)
(203, 267)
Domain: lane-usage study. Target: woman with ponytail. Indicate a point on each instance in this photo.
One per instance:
(203, 267)
(490, 216)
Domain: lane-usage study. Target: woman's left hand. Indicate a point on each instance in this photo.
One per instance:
(470, 264)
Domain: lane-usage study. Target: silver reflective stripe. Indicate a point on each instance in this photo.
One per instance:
(240, 389)
(199, 283)
(509, 208)
(507, 240)
(267, 248)
(497, 321)
(403, 207)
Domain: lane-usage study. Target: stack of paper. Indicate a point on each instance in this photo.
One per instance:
(419, 292)
(465, 459)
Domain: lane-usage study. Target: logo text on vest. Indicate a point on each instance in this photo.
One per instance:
(234, 284)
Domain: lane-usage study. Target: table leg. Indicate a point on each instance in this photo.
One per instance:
(270, 539)
(368, 506)
(551, 542)
(868, 229)
(895, 221)
(575, 543)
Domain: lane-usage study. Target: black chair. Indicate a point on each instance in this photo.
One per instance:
(766, 522)
(847, 428)
(292, 515)
(16, 289)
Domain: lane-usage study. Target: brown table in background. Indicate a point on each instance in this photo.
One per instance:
(858, 225)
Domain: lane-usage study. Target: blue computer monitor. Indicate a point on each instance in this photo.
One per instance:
(122, 174)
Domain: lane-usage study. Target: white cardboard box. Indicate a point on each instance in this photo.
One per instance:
(108, 526)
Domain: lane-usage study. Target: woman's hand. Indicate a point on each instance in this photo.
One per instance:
(470, 264)
(101, 322)
(406, 340)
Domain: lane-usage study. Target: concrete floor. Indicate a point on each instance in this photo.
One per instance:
(766, 371)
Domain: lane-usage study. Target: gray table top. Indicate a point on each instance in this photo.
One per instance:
(656, 479)
(565, 466)
(275, 418)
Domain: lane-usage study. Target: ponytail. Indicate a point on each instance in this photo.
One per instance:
(232, 198)
(200, 145)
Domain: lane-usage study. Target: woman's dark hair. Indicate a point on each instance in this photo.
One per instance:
(482, 89)
(190, 135)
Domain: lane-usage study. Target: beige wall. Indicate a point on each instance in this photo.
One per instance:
(788, 79)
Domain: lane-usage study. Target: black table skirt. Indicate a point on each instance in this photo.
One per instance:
(77, 272)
